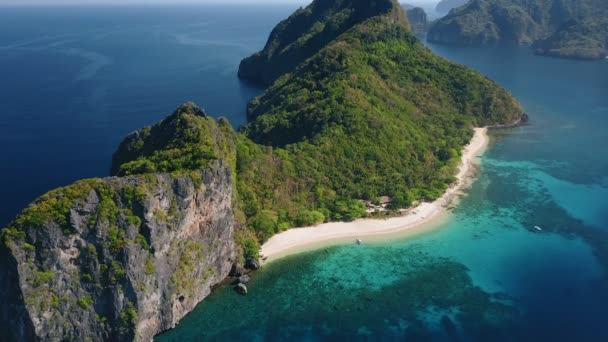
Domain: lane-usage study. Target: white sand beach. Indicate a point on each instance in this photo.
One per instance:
(424, 215)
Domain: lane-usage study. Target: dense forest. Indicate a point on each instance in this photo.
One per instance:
(370, 112)
(305, 32)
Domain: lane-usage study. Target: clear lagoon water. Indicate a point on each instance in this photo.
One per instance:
(485, 275)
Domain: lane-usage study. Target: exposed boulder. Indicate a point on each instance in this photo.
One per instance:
(241, 288)
(237, 270)
(244, 279)
(252, 264)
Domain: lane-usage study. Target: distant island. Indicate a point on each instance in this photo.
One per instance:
(445, 6)
(418, 20)
(357, 110)
(568, 28)
(578, 38)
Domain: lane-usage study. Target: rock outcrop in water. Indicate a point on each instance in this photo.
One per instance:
(119, 258)
(564, 28)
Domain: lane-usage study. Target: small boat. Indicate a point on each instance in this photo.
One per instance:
(359, 241)
(538, 228)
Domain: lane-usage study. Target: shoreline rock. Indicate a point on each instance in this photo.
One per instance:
(241, 289)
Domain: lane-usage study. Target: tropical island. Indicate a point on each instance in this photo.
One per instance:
(568, 29)
(356, 108)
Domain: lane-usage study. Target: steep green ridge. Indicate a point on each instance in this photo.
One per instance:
(518, 22)
(583, 39)
(372, 113)
(187, 140)
(305, 32)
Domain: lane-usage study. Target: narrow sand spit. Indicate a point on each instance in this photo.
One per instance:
(424, 215)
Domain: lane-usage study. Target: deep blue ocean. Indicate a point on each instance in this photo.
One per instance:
(74, 81)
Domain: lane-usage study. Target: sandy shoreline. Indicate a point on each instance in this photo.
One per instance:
(424, 215)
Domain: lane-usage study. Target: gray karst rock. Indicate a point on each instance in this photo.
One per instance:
(418, 20)
(124, 258)
(95, 279)
(244, 279)
(237, 270)
(241, 288)
(252, 264)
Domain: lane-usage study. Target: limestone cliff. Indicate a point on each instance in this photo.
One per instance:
(121, 258)
(418, 20)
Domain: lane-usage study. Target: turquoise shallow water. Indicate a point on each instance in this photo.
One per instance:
(486, 274)
(91, 75)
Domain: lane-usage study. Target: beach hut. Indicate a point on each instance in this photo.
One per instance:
(385, 201)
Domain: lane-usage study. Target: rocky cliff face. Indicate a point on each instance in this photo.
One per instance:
(120, 258)
(418, 20)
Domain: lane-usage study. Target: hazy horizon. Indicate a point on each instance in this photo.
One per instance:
(174, 2)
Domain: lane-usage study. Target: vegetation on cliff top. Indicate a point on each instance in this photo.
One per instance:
(305, 32)
(372, 113)
(186, 140)
(39, 227)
